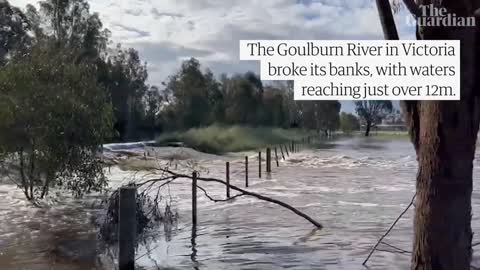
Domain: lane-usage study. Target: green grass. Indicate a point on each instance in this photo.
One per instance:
(387, 135)
(221, 139)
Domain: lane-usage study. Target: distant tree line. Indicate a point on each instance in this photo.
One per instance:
(194, 98)
(191, 97)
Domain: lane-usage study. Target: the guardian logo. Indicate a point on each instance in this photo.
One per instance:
(432, 16)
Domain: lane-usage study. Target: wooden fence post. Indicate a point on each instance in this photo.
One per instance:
(281, 150)
(194, 199)
(286, 150)
(127, 228)
(260, 164)
(276, 156)
(246, 171)
(269, 160)
(228, 178)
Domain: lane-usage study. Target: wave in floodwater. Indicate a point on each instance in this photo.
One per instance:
(354, 187)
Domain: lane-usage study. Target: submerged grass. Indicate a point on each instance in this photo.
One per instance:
(221, 139)
(391, 135)
(381, 135)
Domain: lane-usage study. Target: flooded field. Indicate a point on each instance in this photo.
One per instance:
(354, 187)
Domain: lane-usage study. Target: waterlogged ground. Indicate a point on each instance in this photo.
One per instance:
(354, 187)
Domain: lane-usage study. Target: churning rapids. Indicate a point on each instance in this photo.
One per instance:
(354, 187)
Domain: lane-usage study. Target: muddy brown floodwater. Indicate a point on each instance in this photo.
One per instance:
(354, 187)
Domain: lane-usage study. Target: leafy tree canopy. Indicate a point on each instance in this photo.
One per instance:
(349, 122)
(371, 112)
(55, 117)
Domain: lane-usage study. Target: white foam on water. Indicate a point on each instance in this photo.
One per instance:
(358, 204)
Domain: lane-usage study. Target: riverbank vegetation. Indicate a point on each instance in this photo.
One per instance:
(391, 135)
(55, 108)
(349, 123)
(50, 129)
(196, 99)
(221, 139)
(381, 135)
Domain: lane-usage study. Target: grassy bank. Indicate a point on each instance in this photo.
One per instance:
(387, 135)
(222, 139)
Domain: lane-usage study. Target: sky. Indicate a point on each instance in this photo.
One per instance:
(166, 32)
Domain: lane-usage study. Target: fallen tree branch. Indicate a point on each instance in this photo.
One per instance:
(396, 248)
(218, 200)
(389, 229)
(248, 193)
(393, 251)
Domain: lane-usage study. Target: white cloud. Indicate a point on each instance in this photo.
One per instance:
(168, 31)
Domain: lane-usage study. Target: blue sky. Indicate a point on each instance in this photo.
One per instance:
(166, 32)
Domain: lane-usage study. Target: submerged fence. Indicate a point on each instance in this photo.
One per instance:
(127, 205)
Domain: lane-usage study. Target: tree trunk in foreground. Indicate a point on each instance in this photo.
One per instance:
(444, 135)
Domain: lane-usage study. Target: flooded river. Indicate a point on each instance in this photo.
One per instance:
(354, 187)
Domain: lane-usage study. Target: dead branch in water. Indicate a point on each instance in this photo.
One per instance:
(389, 230)
(243, 192)
(218, 200)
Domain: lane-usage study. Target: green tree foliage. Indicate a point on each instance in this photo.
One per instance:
(153, 101)
(14, 27)
(125, 75)
(70, 23)
(274, 113)
(349, 123)
(55, 116)
(243, 99)
(371, 112)
(320, 115)
(73, 26)
(56, 95)
(292, 108)
(329, 117)
(194, 97)
(42, 82)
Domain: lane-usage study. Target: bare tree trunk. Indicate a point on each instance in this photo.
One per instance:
(46, 185)
(444, 135)
(129, 134)
(386, 19)
(23, 177)
(445, 153)
(368, 125)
